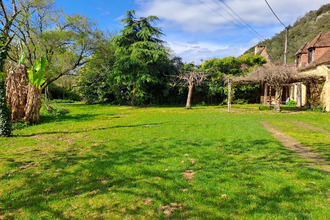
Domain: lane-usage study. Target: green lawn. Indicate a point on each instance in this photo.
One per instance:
(111, 162)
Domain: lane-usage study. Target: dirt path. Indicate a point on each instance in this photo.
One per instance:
(309, 126)
(316, 160)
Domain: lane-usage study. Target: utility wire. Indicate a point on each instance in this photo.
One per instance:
(224, 17)
(223, 2)
(239, 22)
(286, 35)
(216, 12)
(275, 14)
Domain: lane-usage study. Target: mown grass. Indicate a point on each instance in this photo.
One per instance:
(124, 163)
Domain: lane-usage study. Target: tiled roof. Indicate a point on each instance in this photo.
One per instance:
(324, 59)
(303, 48)
(322, 40)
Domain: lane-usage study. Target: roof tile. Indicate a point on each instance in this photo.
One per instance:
(321, 40)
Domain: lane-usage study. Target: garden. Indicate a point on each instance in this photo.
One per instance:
(93, 126)
(119, 162)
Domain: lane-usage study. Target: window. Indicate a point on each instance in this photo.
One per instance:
(311, 55)
(299, 60)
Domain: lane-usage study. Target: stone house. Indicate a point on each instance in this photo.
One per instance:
(262, 51)
(270, 93)
(313, 59)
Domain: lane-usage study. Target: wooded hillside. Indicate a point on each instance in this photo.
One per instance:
(303, 30)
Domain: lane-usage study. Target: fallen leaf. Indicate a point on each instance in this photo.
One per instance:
(188, 174)
(147, 201)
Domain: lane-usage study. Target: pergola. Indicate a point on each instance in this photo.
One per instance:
(256, 78)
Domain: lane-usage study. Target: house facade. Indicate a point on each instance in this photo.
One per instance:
(267, 94)
(313, 59)
(262, 51)
(313, 63)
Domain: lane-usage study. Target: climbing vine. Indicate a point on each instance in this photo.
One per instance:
(5, 113)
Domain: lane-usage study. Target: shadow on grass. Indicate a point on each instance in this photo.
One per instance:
(46, 119)
(75, 118)
(283, 108)
(136, 171)
(88, 130)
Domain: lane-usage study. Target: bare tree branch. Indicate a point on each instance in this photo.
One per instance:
(190, 79)
(4, 11)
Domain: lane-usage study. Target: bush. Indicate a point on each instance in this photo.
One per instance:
(319, 108)
(62, 101)
(54, 111)
(20, 125)
(61, 111)
(240, 101)
(266, 107)
(291, 103)
(57, 92)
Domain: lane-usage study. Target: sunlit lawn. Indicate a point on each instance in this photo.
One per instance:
(122, 162)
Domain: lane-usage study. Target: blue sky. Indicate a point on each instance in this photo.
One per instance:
(200, 29)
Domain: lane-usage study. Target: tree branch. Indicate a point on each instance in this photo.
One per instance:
(4, 11)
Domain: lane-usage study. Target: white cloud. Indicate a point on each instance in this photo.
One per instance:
(193, 16)
(184, 21)
(197, 51)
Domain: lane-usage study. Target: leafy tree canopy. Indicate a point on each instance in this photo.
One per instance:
(139, 50)
(66, 41)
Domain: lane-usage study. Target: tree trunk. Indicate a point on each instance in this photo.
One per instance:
(229, 96)
(265, 94)
(278, 98)
(33, 104)
(190, 92)
(16, 90)
(134, 94)
(299, 97)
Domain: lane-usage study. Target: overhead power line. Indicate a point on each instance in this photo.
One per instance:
(216, 12)
(286, 34)
(247, 31)
(275, 14)
(239, 23)
(223, 2)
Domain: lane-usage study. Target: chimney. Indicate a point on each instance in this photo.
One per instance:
(258, 49)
